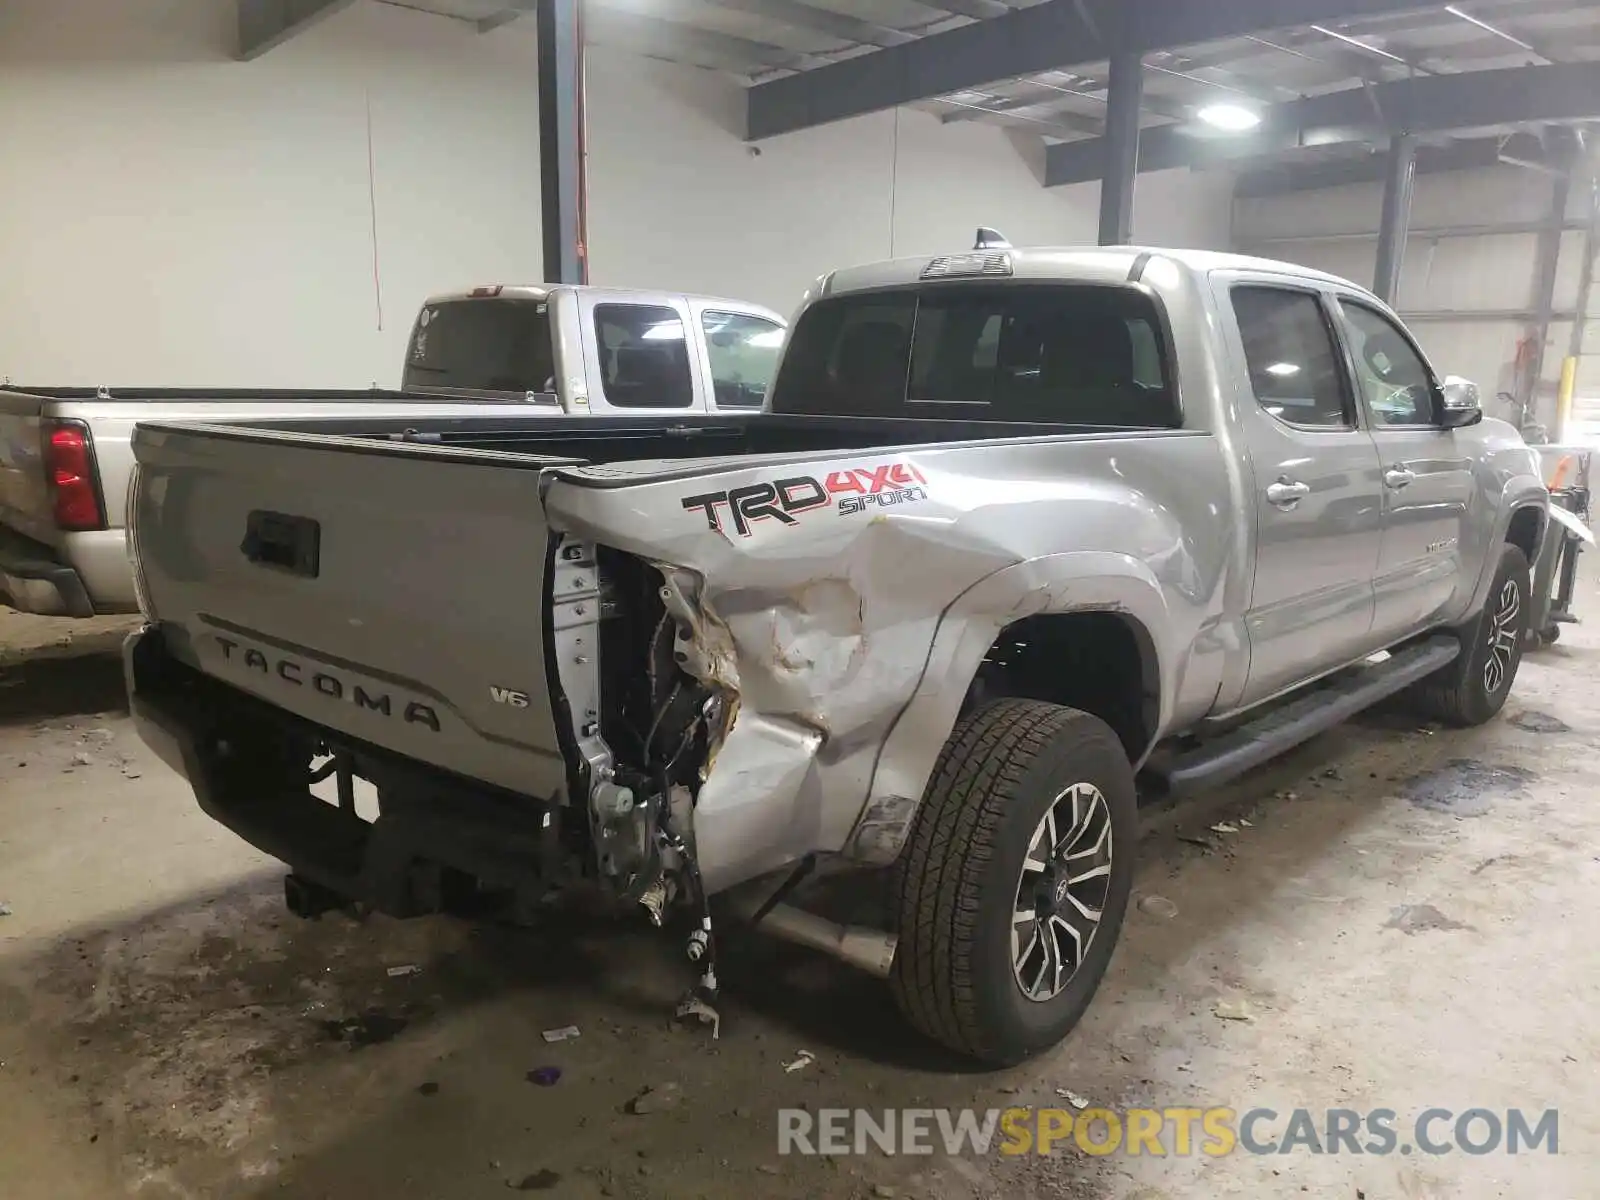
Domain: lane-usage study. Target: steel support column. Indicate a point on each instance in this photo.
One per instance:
(1396, 220)
(561, 139)
(1123, 100)
(1546, 261)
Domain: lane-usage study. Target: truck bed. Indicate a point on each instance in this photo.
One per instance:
(393, 582)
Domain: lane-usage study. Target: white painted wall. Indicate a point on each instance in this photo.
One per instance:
(678, 200)
(171, 216)
(1485, 272)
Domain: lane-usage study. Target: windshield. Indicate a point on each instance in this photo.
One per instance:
(1073, 354)
(491, 345)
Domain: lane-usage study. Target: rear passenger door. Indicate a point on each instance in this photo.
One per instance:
(739, 355)
(638, 353)
(1427, 475)
(1315, 482)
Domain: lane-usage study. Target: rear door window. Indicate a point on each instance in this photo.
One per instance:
(1289, 350)
(644, 356)
(744, 354)
(498, 345)
(1071, 355)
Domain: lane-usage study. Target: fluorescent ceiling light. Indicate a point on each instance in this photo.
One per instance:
(1358, 43)
(1481, 24)
(1235, 118)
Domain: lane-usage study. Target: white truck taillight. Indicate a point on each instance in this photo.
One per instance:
(69, 467)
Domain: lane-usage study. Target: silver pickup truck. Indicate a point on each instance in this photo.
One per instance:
(65, 456)
(1022, 534)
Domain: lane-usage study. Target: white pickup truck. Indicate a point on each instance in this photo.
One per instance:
(65, 454)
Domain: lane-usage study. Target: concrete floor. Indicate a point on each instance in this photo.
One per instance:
(1407, 918)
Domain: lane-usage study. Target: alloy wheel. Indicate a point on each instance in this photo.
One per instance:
(1504, 630)
(1061, 891)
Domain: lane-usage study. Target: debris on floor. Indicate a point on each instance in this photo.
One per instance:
(803, 1060)
(1412, 919)
(544, 1076)
(430, 1088)
(371, 1028)
(1158, 906)
(657, 1097)
(5, 909)
(400, 972)
(539, 1181)
(1224, 827)
(693, 1006)
(1072, 1098)
(1233, 1010)
(565, 1033)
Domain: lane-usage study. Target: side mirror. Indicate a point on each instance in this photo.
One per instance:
(1460, 403)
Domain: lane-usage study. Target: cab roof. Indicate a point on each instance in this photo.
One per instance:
(541, 291)
(1077, 264)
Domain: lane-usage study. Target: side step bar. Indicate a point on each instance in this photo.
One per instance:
(1282, 729)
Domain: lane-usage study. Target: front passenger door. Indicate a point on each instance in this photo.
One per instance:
(1427, 476)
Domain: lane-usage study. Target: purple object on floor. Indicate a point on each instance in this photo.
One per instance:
(544, 1076)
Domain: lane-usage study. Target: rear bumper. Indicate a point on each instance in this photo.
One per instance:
(35, 581)
(436, 838)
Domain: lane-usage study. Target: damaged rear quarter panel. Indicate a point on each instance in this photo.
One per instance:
(838, 621)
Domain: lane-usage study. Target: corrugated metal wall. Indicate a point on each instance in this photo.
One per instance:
(1470, 268)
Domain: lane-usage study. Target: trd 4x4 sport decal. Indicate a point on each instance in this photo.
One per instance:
(852, 490)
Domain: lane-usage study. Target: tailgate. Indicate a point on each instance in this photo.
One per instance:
(391, 592)
(25, 500)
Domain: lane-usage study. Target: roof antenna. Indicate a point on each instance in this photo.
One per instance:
(991, 239)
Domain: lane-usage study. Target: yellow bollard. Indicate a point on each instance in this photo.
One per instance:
(1569, 382)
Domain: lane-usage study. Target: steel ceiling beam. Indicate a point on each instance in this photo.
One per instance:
(1465, 154)
(264, 24)
(1282, 178)
(656, 35)
(1429, 104)
(1055, 35)
(978, 10)
(818, 20)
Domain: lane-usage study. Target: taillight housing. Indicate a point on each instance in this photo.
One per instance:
(69, 466)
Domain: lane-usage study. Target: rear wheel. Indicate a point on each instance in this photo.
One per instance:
(1473, 689)
(1012, 887)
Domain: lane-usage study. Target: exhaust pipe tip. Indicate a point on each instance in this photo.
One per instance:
(869, 950)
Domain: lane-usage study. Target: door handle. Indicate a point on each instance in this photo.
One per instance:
(1398, 477)
(1286, 494)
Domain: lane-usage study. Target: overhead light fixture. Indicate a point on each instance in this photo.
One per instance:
(1484, 25)
(1234, 118)
(1283, 369)
(1359, 44)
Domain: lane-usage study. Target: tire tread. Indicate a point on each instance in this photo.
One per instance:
(936, 886)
